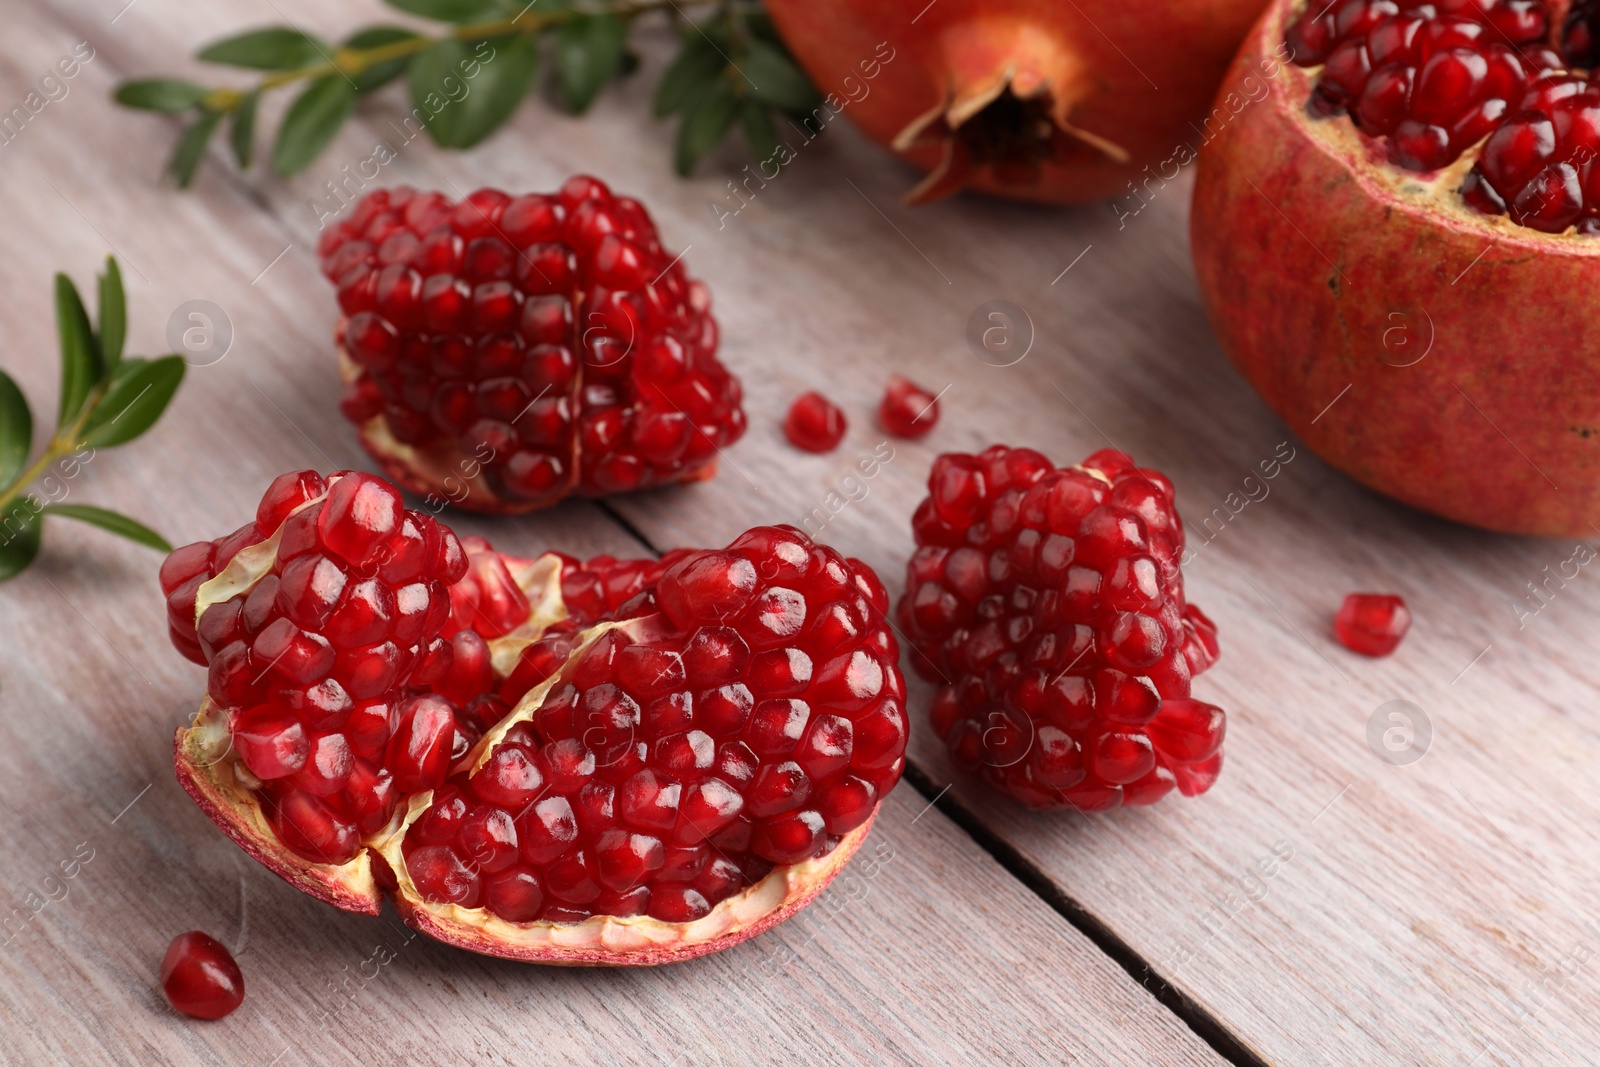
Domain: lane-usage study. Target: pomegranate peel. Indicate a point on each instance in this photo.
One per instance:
(633, 940)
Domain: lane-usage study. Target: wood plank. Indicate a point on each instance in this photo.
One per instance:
(926, 951)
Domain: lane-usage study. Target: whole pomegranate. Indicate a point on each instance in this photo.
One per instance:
(611, 762)
(1394, 236)
(502, 352)
(1034, 99)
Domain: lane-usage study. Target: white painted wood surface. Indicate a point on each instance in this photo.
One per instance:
(1435, 913)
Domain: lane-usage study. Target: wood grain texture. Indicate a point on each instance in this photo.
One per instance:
(926, 951)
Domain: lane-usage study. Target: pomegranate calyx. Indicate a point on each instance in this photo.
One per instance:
(1012, 122)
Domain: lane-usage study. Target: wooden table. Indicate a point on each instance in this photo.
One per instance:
(1439, 912)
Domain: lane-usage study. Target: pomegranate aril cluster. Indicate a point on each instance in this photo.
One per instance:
(1542, 166)
(1433, 79)
(549, 341)
(1048, 605)
(750, 716)
(315, 662)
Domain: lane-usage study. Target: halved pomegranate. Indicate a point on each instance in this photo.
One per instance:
(1395, 238)
(1033, 99)
(501, 353)
(612, 762)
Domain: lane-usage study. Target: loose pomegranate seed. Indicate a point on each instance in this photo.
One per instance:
(908, 410)
(1049, 605)
(1372, 623)
(814, 423)
(464, 334)
(200, 977)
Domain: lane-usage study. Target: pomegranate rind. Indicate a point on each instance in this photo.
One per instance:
(204, 769)
(632, 941)
(1431, 352)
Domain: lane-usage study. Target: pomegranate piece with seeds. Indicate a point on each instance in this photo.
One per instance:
(1382, 181)
(1048, 605)
(1372, 624)
(907, 409)
(200, 977)
(525, 753)
(814, 423)
(504, 352)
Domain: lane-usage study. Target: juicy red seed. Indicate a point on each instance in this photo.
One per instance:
(814, 423)
(1372, 624)
(907, 409)
(1050, 607)
(360, 515)
(310, 827)
(200, 978)
(271, 743)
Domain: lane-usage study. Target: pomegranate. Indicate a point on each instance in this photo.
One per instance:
(1372, 624)
(611, 762)
(200, 977)
(503, 352)
(1064, 103)
(1049, 607)
(1394, 237)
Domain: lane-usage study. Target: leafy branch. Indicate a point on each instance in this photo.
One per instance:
(469, 78)
(106, 400)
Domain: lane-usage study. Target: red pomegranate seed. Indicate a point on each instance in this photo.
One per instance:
(814, 424)
(200, 977)
(1372, 623)
(908, 410)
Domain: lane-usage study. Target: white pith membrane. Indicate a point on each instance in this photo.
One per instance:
(1436, 193)
(214, 776)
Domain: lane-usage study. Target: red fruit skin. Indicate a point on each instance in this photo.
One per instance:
(900, 58)
(200, 977)
(1462, 338)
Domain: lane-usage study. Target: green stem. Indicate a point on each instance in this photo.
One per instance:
(349, 61)
(65, 442)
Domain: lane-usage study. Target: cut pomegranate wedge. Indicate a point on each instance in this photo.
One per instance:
(611, 762)
(500, 353)
(1394, 229)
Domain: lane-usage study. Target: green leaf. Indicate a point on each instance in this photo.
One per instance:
(138, 395)
(313, 120)
(19, 538)
(466, 95)
(16, 429)
(690, 73)
(775, 78)
(706, 121)
(242, 135)
(588, 54)
(274, 48)
(455, 10)
(81, 365)
(386, 71)
(759, 132)
(112, 316)
(168, 95)
(110, 520)
(191, 147)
